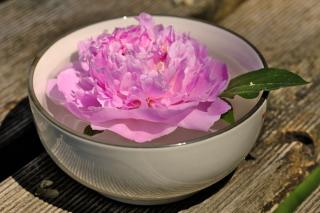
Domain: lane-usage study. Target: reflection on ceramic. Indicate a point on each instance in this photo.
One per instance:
(167, 169)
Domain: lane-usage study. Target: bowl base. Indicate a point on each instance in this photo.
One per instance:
(148, 202)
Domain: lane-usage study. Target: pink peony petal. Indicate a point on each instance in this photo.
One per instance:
(137, 130)
(174, 114)
(203, 119)
(146, 73)
(218, 107)
(89, 100)
(210, 83)
(146, 21)
(67, 82)
(53, 92)
(219, 75)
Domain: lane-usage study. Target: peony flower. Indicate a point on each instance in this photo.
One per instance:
(143, 82)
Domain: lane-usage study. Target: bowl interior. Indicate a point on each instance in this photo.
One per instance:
(239, 56)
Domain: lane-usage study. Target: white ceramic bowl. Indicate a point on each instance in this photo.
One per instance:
(154, 173)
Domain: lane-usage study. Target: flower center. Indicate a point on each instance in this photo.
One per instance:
(150, 102)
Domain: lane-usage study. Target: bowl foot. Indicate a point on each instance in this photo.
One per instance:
(148, 202)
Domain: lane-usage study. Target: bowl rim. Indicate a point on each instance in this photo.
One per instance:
(88, 139)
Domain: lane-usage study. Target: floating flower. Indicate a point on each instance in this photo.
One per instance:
(143, 82)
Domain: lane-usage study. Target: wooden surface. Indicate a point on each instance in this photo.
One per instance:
(286, 32)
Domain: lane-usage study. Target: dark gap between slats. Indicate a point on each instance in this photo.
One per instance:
(19, 142)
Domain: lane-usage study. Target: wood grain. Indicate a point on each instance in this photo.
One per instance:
(286, 32)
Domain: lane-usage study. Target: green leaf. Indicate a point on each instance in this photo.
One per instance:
(300, 193)
(91, 132)
(228, 117)
(250, 84)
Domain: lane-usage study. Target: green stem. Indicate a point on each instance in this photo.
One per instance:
(300, 193)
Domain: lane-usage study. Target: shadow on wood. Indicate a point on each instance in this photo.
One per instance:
(19, 142)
